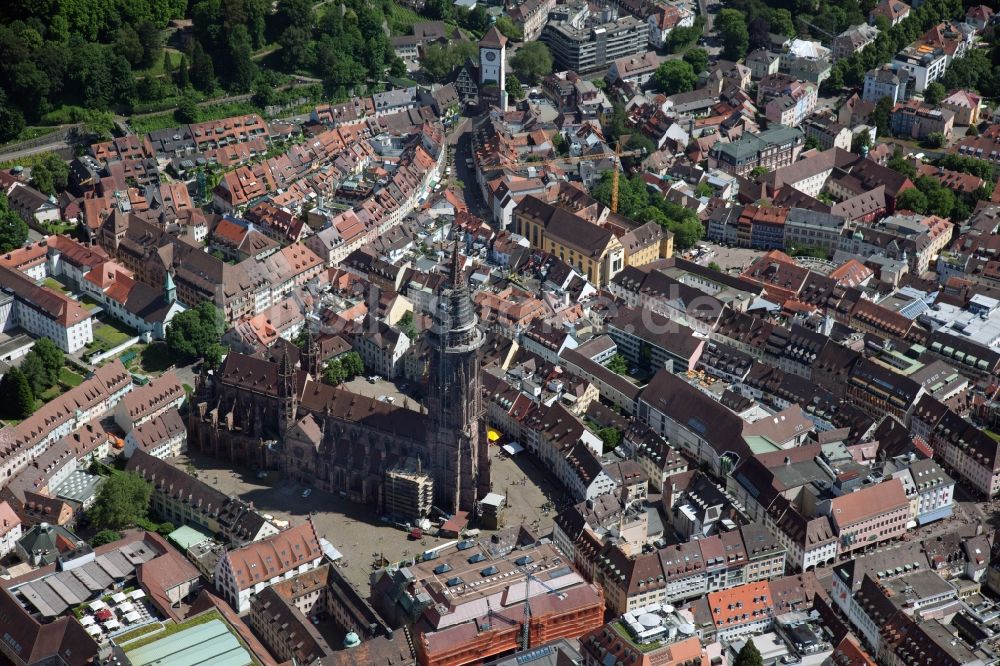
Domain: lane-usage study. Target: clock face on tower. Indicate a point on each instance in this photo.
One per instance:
(491, 56)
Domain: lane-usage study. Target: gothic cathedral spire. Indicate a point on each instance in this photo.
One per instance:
(286, 393)
(457, 452)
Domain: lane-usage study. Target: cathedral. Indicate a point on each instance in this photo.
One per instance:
(279, 415)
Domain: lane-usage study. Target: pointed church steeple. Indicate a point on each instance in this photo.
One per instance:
(169, 288)
(286, 393)
(309, 359)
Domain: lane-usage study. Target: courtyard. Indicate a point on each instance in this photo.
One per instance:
(354, 529)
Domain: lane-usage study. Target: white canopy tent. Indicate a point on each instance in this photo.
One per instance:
(513, 448)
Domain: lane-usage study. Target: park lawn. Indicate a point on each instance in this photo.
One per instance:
(157, 68)
(51, 393)
(69, 378)
(60, 227)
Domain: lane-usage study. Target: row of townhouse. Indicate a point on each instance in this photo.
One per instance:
(184, 500)
(95, 397)
(803, 499)
(960, 446)
(904, 611)
(674, 573)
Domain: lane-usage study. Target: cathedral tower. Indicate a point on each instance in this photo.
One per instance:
(286, 394)
(309, 358)
(459, 459)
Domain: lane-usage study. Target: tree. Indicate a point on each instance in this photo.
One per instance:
(697, 58)
(104, 537)
(687, 232)
(439, 9)
(861, 143)
(99, 125)
(477, 20)
(532, 62)
(13, 230)
(202, 69)
(51, 357)
(714, 266)
(127, 44)
(122, 501)
(900, 164)
(749, 655)
(213, 355)
(935, 140)
(397, 68)
(34, 369)
(405, 324)
(294, 13)
(334, 373)
(880, 116)
(16, 398)
(611, 437)
(934, 93)
(295, 47)
(183, 77)
(513, 87)
(618, 364)
(559, 144)
(50, 175)
(675, 76)
(11, 120)
(912, 199)
(353, 365)
(509, 29)
(187, 110)
(437, 61)
(192, 333)
(151, 39)
(732, 26)
(682, 37)
(704, 190)
(241, 65)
